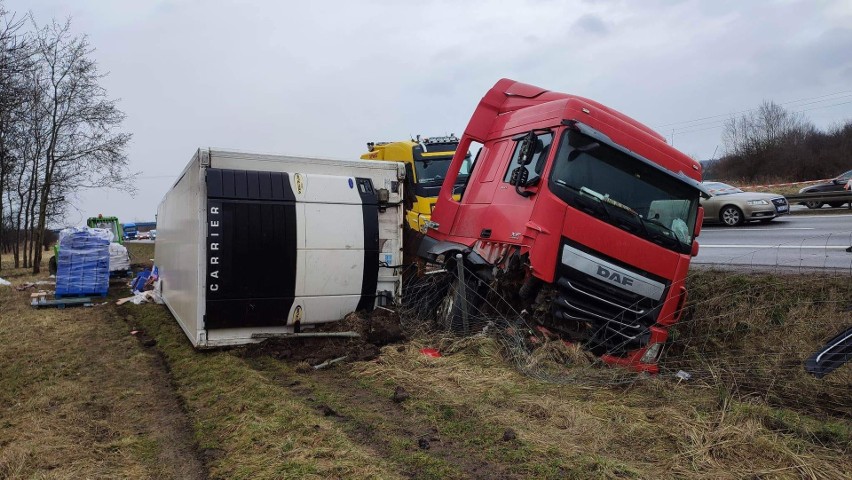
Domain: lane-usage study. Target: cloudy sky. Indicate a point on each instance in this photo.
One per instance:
(322, 78)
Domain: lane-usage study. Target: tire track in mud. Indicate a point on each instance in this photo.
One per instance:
(404, 437)
(172, 423)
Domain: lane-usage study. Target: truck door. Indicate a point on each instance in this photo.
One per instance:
(479, 191)
(509, 211)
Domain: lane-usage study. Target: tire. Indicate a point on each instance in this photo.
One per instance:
(421, 295)
(51, 265)
(835, 204)
(450, 313)
(813, 204)
(731, 216)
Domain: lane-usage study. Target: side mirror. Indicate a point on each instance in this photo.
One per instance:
(699, 219)
(519, 177)
(694, 251)
(527, 150)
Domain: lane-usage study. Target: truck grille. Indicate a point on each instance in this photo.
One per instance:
(616, 320)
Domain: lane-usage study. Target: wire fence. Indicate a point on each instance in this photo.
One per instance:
(747, 327)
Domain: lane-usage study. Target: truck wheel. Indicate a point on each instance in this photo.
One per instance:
(422, 294)
(450, 312)
(731, 216)
(835, 204)
(51, 265)
(813, 204)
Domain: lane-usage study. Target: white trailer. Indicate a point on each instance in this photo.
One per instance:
(251, 246)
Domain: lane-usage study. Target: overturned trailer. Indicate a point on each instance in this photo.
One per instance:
(251, 246)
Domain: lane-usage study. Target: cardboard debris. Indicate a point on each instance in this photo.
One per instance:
(29, 285)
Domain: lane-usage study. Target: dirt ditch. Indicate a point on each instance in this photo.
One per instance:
(374, 330)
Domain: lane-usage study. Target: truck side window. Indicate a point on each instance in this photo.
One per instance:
(535, 168)
(466, 169)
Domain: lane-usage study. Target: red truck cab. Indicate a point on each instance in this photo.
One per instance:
(586, 200)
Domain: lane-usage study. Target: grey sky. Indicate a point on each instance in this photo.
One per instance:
(324, 78)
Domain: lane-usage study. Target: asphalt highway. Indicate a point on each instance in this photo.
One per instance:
(791, 242)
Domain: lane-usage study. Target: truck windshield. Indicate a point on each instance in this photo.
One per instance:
(433, 171)
(624, 191)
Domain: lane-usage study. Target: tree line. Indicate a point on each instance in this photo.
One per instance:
(59, 131)
(771, 143)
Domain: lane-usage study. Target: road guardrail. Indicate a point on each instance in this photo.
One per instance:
(824, 197)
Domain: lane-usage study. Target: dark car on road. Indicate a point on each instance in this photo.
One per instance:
(833, 185)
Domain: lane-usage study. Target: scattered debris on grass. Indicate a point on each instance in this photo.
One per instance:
(138, 298)
(430, 352)
(329, 363)
(400, 395)
(327, 411)
(31, 285)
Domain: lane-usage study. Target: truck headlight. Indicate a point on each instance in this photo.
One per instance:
(758, 202)
(652, 353)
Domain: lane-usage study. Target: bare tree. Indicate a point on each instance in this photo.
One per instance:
(14, 60)
(83, 147)
(766, 126)
(765, 141)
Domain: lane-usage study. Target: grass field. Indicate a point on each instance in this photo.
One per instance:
(82, 398)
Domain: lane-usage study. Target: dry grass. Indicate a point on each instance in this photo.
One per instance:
(253, 416)
(750, 333)
(652, 429)
(248, 425)
(80, 398)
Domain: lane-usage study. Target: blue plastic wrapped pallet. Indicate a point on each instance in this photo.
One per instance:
(83, 262)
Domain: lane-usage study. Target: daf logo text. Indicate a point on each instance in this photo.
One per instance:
(614, 276)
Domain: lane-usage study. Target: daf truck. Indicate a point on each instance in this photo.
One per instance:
(578, 198)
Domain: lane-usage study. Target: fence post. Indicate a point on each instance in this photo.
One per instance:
(463, 286)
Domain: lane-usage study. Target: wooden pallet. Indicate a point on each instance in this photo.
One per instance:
(40, 300)
(78, 295)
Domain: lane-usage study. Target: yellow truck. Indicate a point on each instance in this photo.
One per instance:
(426, 163)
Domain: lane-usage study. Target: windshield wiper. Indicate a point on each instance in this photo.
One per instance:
(587, 193)
(606, 202)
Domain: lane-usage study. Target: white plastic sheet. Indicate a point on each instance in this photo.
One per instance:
(118, 257)
(95, 232)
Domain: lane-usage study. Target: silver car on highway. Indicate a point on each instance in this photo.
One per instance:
(732, 206)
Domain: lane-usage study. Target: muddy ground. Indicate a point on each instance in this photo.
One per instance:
(381, 327)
